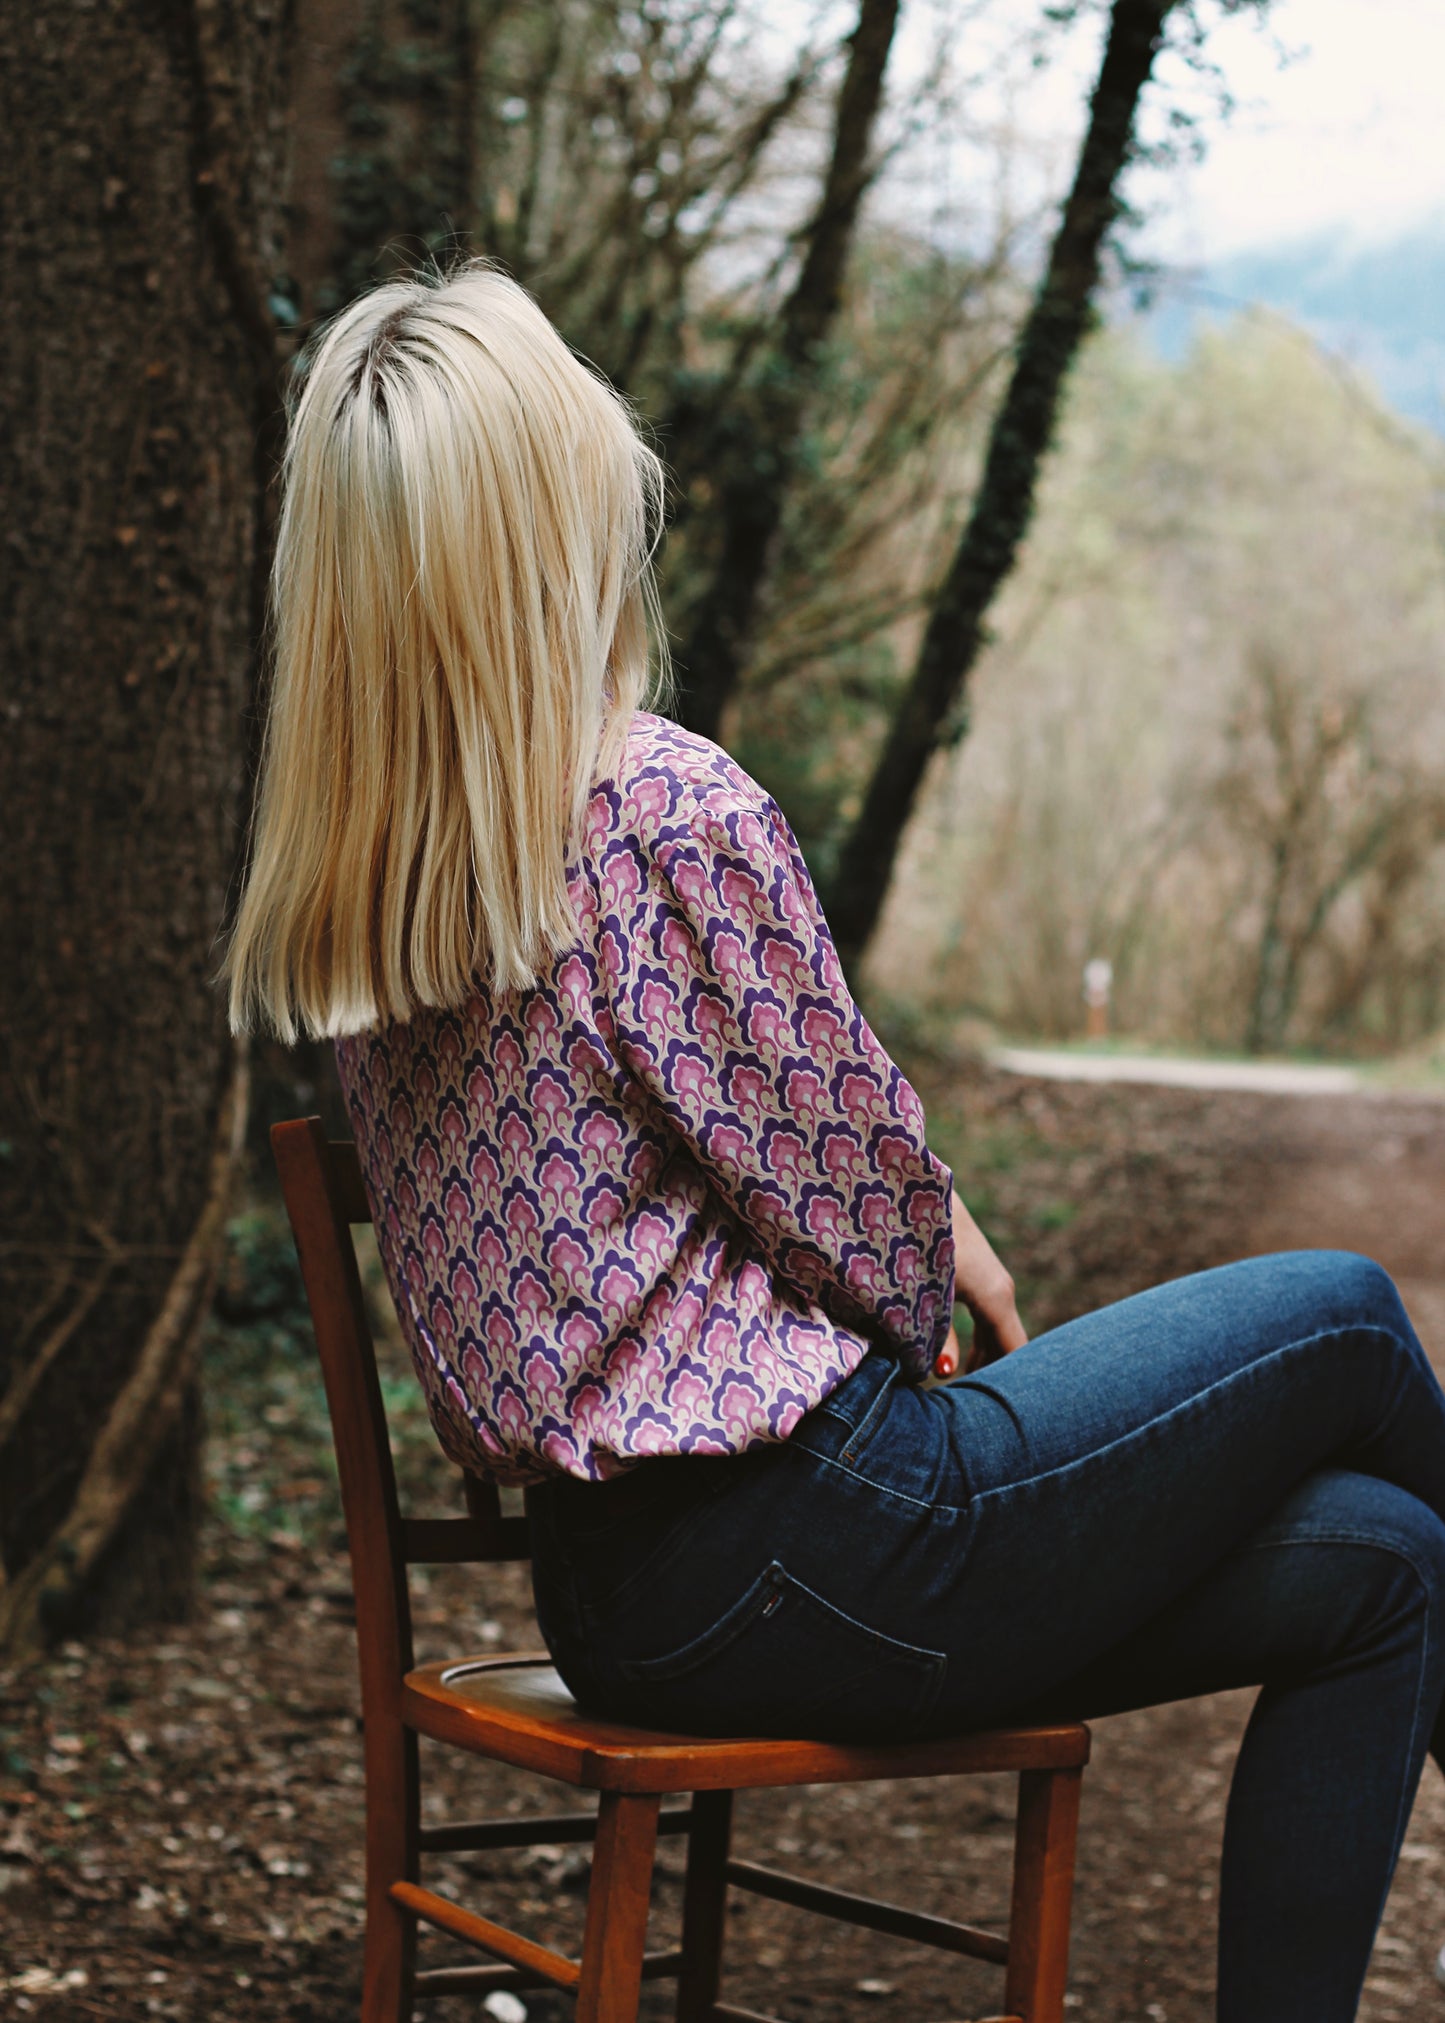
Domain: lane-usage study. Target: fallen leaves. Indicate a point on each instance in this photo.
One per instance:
(181, 1815)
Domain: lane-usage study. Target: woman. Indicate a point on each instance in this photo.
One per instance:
(663, 1230)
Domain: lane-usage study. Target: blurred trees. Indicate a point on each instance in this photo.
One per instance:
(1209, 740)
(751, 458)
(384, 117)
(1336, 835)
(138, 395)
(1187, 756)
(686, 207)
(1021, 433)
(681, 184)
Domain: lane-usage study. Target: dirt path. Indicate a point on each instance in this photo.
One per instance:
(1353, 1172)
(180, 1814)
(1259, 1078)
(1362, 1173)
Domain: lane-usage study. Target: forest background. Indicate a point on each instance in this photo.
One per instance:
(1065, 621)
(1192, 723)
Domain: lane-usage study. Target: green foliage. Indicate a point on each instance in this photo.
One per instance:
(1210, 737)
(399, 184)
(260, 1291)
(269, 1457)
(807, 748)
(268, 1454)
(888, 460)
(1055, 1214)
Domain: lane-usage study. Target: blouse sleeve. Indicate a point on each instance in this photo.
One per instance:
(733, 1012)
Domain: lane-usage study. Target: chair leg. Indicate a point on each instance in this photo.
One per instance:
(704, 1905)
(1043, 1889)
(392, 1813)
(617, 1906)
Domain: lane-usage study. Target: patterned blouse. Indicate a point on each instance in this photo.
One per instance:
(664, 1201)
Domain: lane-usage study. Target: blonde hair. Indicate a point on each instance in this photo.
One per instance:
(461, 607)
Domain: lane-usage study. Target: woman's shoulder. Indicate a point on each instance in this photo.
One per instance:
(670, 780)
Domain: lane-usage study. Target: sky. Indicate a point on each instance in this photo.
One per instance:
(1319, 195)
(1346, 133)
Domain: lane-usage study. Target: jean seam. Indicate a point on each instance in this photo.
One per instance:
(1162, 1419)
(884, 1488)
(937, 1661)
(1338, 1537)
(775, 1580)
(866, 1426)
(1402, 1810)
(1246, 1370)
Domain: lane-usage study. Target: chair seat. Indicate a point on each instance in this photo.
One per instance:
(517, 1709)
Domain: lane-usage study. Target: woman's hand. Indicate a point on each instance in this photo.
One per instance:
(986, 1289)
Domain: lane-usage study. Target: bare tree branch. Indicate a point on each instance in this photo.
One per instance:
(761, 463)
(145, 1409)
(1003, 507)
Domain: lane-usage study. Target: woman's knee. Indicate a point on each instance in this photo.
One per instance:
(1384, 1548)
(1344, 1290)
(1371, 1288)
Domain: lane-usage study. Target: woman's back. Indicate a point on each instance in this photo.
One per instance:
(662, 1201)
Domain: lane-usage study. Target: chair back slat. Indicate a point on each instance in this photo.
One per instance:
(501, 1537)
(329, 1170)
(343, 1179)
(320, 1205)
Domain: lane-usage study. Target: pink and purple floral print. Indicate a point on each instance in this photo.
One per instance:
(663, 1202)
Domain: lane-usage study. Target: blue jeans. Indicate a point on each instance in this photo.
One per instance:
(1235, 1479)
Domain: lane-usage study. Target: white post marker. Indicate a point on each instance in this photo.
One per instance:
(1098, 988)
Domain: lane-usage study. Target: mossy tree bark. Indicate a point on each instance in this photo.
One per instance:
(1003, 507)
(138, 410)
(385, 119)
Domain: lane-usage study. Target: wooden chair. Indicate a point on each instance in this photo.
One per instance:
(516, 1710)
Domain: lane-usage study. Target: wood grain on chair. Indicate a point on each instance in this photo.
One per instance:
(514, 1709)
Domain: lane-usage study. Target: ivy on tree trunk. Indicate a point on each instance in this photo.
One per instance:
(138, 402)
(1022, 431)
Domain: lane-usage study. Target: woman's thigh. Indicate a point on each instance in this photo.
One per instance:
(1111, 1463)
(949, 1556)
(1208, 1347)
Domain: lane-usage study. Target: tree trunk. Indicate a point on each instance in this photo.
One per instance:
(324, 46)
(762, 433)
(384, 115)
(138, 411)
(1021, 433)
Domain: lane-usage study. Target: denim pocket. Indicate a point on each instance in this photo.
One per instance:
(782, 1661)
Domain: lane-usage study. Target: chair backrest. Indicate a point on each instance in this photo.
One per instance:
(322, 1186)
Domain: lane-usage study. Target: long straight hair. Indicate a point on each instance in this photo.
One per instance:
(462, 611)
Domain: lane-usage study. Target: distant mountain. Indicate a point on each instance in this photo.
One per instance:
(1381, 306)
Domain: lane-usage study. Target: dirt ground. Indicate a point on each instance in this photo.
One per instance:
(180, 1814)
